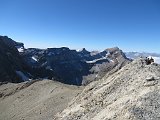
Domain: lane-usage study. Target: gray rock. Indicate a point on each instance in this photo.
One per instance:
(120, 96)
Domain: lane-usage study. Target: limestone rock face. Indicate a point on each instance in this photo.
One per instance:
(132, 93)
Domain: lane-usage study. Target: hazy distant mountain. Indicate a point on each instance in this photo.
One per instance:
(133, 55)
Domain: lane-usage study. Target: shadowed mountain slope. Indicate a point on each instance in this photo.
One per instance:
(60, 64)
(12, 67)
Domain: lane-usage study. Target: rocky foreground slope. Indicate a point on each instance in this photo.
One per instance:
(35, 100)
(132, 93)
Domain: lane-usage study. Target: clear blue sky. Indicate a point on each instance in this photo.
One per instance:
(132, 25)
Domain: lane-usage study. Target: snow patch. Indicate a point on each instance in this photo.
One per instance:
(22, 75)
(94, 61)
(79, 50)
(34, 58)
(103, 58)
(21, 49)
(108, 53)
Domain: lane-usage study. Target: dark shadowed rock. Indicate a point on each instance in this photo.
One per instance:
(62, 64)
(12, 67)
(72, 67)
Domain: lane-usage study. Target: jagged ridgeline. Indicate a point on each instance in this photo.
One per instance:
(60, 64)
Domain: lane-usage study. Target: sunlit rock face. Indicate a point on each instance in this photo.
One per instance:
(132, 93)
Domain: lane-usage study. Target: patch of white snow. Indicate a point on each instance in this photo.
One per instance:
(21, 49)
(34, 58)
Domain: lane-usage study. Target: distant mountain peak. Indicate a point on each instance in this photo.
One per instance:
(83, 50)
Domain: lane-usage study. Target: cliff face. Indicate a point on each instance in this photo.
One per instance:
(132, 93)
(74, 67)
(12, 67)
(61, 64)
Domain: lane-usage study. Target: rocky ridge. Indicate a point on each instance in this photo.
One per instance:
(132, 93)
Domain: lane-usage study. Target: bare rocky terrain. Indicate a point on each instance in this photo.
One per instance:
(132, 93)
(109, 85)
(36, 100)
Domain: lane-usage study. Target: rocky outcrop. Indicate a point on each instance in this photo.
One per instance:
(134, 55)
(132, 93)
(11, 43)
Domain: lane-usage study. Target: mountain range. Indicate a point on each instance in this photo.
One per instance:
(65, 84)
(60, 64)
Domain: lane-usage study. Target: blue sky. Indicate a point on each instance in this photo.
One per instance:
(132, 25)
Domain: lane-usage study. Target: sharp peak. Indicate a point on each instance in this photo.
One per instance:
(82, 50)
